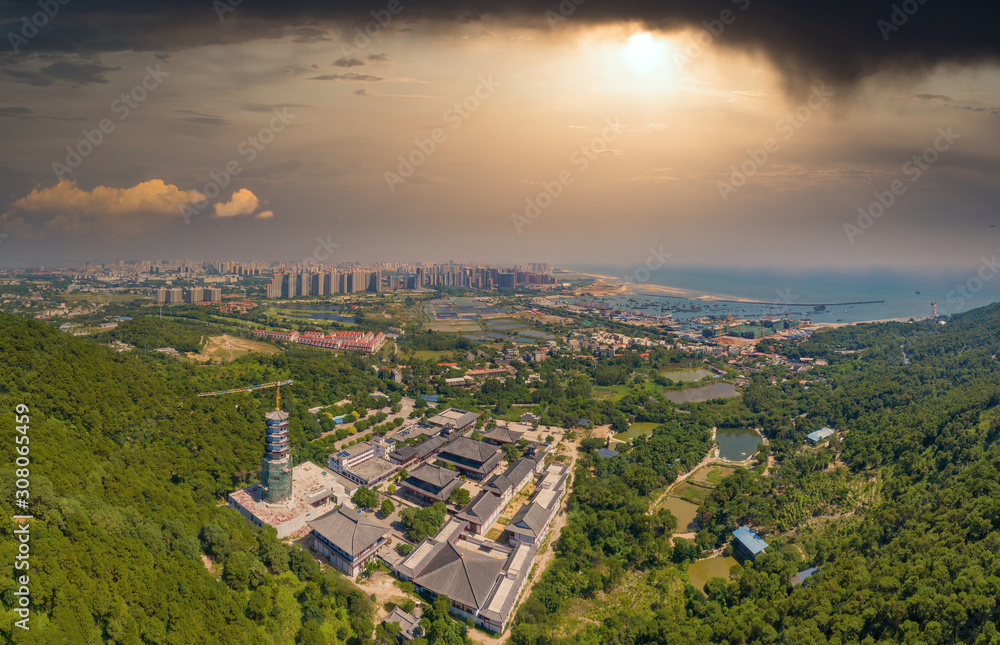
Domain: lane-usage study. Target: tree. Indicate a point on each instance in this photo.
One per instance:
(387, 508)
(364, 498)
(460, 496)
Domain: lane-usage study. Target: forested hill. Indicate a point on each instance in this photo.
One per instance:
(127, 470)
(901, 512)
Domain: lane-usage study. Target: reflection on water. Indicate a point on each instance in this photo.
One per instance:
(687, 376)
(737, 444)
(717, 567)
(685, 512)
(703, 393)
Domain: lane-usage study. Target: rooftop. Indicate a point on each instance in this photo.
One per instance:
(471, 450)
(801, 576)
(308, 481)
(409, 624)
(466, 576)
(503, 434)
(349, 530)
(750, 540)
(372, 469)
(820, 434)
(439, 477)
(355, 449)
(453, 418)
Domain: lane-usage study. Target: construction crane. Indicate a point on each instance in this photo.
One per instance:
(250, 388)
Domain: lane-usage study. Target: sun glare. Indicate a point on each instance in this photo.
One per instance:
(643, 52)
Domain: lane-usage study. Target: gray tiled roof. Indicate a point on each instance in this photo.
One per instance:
(503, 434)
(350, 531)
(470, 449)
(464, 576)
(529, 519)
(481, 507)
(433, 475)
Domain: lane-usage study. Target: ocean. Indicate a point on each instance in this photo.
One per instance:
(904, 294)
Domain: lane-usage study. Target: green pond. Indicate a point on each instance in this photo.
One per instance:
(737, 444)
(685, 512)
(718, 567)
(703, 393)
(687, 376)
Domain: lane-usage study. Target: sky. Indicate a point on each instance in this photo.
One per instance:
(735, 133)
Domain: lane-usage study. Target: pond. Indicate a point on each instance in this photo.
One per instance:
(718, 567)
(685, 512)
(703, 393)
(737, 444)
(687, 376)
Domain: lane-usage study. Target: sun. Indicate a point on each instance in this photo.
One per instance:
(643, 51)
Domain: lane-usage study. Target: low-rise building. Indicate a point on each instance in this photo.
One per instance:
(314, 492)
(820, 435)
(361, 464)
(481, 578)
(430, 483)
(474, 459)
(347, 538)
(748, 544)
(409, 456)
(531, 523)
(453, 420)
(501, 435)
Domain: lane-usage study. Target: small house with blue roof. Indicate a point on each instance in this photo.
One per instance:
(747, 543)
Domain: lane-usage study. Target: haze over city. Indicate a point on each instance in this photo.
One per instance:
(744, 133)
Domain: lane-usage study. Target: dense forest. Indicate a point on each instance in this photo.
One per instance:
(127, 469)
(899, 510)
(912, 561)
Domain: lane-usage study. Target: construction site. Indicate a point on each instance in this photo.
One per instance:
(747, 329)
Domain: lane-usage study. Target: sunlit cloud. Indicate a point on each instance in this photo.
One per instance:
(66, 208)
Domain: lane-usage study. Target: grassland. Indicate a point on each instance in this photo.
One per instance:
(639, 429)
(226, 348)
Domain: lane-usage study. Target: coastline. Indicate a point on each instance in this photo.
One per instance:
(625, 287)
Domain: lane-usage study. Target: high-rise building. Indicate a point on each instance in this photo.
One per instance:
(276, 465)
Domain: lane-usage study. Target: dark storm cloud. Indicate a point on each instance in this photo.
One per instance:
(839, 43)
(349, 77)
(348, 62)
(201, 118)
(18, 112)
(65, 71)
